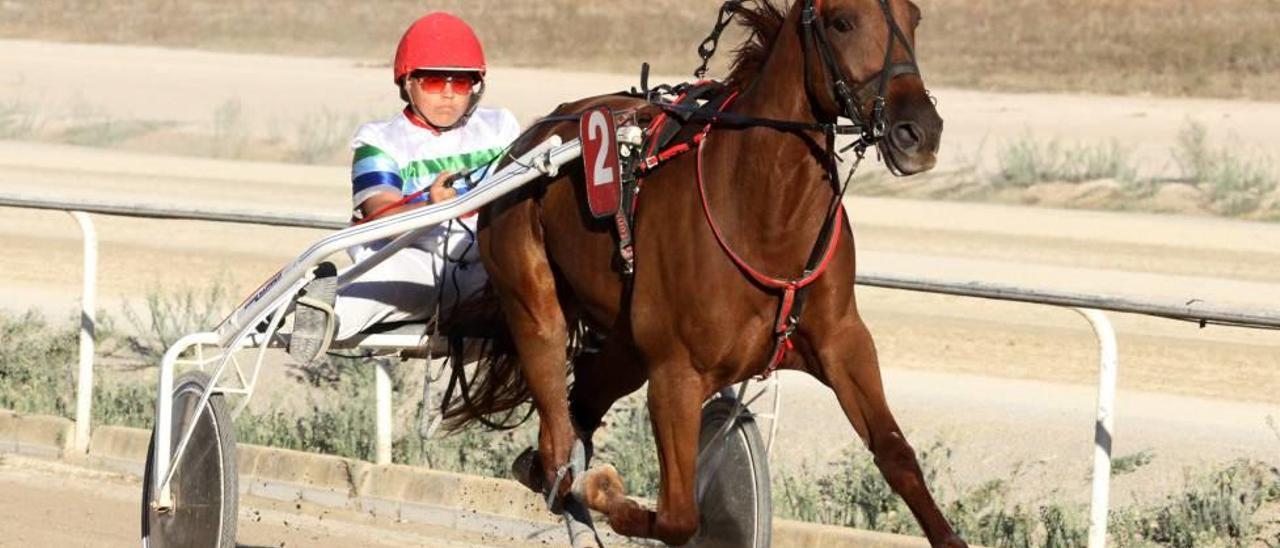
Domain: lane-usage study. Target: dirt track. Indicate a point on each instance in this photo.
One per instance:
(1168, 257)
(49, 503)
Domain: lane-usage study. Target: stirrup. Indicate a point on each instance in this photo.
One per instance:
(314, 321)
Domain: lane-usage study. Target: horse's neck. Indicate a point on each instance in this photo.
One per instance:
(775, 178)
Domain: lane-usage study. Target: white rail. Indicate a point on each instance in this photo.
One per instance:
(1089, 306)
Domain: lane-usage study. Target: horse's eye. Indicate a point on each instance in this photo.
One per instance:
(842, 24)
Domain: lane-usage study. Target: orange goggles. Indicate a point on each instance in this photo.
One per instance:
(436, 83)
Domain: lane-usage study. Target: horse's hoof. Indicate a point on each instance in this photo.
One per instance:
(954, 541)
(527, 469)
(599, 487)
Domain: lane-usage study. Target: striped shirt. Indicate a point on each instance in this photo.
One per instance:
(399, 157)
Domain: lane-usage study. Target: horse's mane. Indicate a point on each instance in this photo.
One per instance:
(763, 21)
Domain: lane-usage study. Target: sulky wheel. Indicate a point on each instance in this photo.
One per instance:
(735, 506)
(204, 486)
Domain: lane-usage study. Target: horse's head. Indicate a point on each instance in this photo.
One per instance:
(861, 64)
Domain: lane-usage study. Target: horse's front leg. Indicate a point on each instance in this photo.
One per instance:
(850, 366)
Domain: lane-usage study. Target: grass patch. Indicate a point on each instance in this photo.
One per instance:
(90, 126)
(36, 371)
(18, 119)
(106, 132)
(1219, 507)
(1215, 508)
(230, 130)
(171, 315)
(1237, 184)
(1028, 161)
(1128, 464)
(322, 136)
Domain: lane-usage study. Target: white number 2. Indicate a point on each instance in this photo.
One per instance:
(598, 130)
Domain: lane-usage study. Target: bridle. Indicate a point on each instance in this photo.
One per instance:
(849, 99)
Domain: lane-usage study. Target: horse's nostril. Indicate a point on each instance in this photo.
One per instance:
(906, 135)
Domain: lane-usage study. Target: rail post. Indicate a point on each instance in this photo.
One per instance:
(1108, 364)
(88, 331)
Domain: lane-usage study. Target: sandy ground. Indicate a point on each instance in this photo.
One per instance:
(967, 370)
(277, 95)
(40, 495)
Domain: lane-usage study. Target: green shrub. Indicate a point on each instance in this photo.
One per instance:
(340, 419)
(1028, 161)
(1219, 506)
(37, 365)
(18, 119)
(124, 404)
(171, 315)
(230, 131)
(321, 136)
(1237, 184)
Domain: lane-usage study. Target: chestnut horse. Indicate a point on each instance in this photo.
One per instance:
(689, 320)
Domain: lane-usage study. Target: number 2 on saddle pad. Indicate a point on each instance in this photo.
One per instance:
(599, 137)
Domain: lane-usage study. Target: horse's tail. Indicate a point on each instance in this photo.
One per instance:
(493, 392)
(486, 384)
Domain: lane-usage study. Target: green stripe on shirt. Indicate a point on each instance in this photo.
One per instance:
(453, 164)
(366, 151)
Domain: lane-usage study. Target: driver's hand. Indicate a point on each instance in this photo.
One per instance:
(438, 192)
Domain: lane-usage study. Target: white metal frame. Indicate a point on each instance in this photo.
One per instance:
(269, 303)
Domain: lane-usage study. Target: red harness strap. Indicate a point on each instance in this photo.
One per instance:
(786, 323)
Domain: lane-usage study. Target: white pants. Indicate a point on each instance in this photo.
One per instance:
(413, 281)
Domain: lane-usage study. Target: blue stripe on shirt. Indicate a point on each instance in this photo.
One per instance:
(374, 163)
(376, 178)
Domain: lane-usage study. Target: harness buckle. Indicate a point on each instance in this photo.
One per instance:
(792, 323)
(808, 15)
(877, 117)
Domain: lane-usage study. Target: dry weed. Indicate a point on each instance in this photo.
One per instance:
(1226, 48)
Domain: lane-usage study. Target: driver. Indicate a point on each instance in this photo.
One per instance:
(439, 72)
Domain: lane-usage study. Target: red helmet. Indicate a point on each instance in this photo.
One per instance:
(438, 41)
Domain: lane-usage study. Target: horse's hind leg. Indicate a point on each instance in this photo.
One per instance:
(675, 403)
(849, 365)
(600, 379)
(527, 291)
